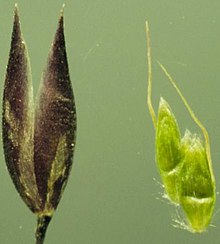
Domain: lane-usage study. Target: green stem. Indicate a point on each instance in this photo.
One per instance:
(42, 224)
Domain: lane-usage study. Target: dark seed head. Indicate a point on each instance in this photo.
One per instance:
(39, 145)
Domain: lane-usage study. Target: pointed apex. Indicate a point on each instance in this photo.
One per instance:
(62, 10)
(16, 6)
(60, 24)
(16, 16)
(162, 102)
(59, 36)
(16, 32)
(61, 16)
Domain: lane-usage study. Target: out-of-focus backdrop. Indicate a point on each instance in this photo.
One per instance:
(114, 194)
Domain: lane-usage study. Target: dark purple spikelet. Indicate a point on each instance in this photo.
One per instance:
(39, 144)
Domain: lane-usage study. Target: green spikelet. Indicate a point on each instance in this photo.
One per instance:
(168, 150)
(185, 164)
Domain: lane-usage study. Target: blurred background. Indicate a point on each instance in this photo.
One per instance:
(114, 195)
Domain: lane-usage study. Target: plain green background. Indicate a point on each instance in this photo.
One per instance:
(111, 196)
